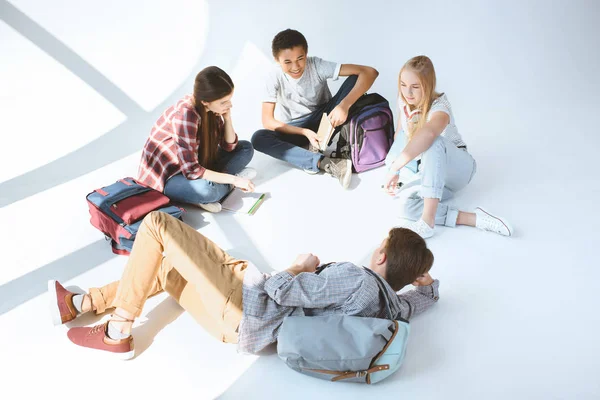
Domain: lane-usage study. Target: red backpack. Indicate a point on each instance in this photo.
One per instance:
(117, 211)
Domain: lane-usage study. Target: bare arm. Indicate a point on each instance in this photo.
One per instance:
(229, 134)
(366, 77)
(422, 140)
(269, 122)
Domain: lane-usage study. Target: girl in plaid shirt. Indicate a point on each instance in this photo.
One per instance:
(193, 154)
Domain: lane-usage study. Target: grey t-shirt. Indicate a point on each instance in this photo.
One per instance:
(298, 97)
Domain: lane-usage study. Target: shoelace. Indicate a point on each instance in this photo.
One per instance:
(494, 224)
(97, 328)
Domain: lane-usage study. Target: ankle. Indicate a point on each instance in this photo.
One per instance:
(86, 304)
(123, 327)
(466, 218)
(429, 221)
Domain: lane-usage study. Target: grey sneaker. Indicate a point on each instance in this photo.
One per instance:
(339, 168)
(211, 207)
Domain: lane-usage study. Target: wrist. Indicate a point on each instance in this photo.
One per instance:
(295, 269)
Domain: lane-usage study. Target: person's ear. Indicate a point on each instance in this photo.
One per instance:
(417, 281)
(382, 258)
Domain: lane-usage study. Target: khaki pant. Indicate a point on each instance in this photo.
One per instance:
(170, 256)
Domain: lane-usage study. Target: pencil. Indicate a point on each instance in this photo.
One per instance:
(398, 185)
(255, 206)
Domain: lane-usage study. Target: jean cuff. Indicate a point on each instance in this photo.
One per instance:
(451, 217)
(315, 163)
(428, 192)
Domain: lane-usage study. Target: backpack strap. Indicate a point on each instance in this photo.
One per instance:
(380, 284)
(383, 290)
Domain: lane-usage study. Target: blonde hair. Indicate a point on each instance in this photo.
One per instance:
(423, 68)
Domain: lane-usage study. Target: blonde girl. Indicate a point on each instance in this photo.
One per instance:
(444, 165)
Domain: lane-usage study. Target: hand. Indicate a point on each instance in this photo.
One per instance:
(312, 137)
(391, 183)
(246, 185)
(423, 280)
(338, 115)
(227, 115)
(305, 263)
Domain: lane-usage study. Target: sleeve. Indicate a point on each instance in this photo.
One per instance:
(418, 300)
(326, 69)
(440, 104)
(185, 129)
(271, 86)
(309, 290)
(224, 145)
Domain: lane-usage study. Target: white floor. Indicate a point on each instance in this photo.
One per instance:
(81, 84)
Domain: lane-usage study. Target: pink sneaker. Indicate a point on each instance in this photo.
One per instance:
(61, 303)
(96, 338)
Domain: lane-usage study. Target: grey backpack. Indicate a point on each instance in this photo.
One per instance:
(344, 347)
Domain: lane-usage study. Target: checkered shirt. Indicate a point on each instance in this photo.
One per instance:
(173, 144)
(342, 288)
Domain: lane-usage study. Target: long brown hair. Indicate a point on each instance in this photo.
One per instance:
(212, 83)
(423, 68)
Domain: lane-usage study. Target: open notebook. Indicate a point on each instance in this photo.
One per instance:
(324, 133)
(241, 202)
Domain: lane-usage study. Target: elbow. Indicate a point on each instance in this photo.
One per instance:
(374, 73)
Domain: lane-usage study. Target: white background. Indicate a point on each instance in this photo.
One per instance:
(81, 84)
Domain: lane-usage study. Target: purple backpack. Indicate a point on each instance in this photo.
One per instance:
(367, 135)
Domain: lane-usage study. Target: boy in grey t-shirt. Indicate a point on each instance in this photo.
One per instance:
(298, 84)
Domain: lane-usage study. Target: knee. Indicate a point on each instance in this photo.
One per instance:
(212, 192)
(259, 137)
(437, 148)
(154, 220)
(245, 147)
(351, 79)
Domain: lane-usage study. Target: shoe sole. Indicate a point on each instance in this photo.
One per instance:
(53, 303)
(212, 210)
(104, 354)
(506, 224)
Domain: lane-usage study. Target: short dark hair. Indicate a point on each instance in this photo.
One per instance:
(407, 257)
(288, 39)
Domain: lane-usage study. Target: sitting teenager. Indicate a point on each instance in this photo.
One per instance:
(193, 154)
(427, 126)
(231, 299)
(298, 85)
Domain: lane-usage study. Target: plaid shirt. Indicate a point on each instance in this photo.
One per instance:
(173, 144)
(342, 288)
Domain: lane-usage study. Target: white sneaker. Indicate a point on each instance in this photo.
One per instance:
(211, 207)
(420, 227)
(310, 171)
(488, 222)
(247, 173)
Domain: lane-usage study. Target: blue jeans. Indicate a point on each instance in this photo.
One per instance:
(201, 191)
(293, 148)
(444, 170)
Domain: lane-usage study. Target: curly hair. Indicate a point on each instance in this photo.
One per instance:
(288, 39)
